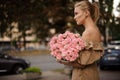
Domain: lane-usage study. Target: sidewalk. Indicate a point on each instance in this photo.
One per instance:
(50, 75)
(46, 75)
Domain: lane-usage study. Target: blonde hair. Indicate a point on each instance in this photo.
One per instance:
(91, 7)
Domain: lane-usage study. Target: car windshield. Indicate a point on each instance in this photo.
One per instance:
(115, 51)
(114, 42)
(111, 52)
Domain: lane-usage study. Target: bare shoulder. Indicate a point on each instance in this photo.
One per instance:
(91, 35)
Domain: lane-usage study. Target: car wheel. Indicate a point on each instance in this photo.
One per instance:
(18, 69)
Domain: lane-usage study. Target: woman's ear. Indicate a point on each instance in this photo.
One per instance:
(87, 13)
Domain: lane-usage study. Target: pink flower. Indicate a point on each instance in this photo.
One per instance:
(66, 46)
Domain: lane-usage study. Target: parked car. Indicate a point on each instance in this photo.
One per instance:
(7, 48)
(12, 64)
(114, 44)
(111, 59)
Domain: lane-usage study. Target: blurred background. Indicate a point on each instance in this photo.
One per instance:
(27, 24)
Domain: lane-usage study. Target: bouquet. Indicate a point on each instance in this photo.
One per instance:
(66, 46)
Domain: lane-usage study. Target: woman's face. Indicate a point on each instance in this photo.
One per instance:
(79, 15)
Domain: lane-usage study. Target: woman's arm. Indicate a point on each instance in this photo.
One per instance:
(73, 64)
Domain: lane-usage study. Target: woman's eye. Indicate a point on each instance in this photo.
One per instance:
(75, 13)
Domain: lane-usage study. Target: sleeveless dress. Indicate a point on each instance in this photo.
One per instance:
(88, 58)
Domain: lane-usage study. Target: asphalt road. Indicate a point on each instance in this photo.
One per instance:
(47, 63)
(44, 62)
(110, 75)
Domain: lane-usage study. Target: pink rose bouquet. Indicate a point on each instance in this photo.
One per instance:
(66, 46)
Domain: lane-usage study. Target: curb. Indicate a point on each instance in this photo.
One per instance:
(46, 75)
(13, 77)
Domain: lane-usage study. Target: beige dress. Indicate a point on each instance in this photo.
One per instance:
(88, 58)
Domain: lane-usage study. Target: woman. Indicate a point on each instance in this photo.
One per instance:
(85, 67)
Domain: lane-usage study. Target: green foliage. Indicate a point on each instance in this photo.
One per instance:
(42, 15)
(33, 69)
(108, 20)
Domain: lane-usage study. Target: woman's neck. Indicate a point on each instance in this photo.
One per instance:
(89, 23)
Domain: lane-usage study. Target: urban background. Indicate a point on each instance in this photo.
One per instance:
(36, 21)
(26, 27)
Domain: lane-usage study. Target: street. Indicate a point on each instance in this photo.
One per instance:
(44, 62)
(110, 75)
(47, 63)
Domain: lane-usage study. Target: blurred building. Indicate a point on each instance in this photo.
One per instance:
(15, 40)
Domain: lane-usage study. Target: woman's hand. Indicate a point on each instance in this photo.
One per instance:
(59, 61)
(73, 64)
(63, 62)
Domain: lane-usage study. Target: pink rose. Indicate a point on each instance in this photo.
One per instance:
(66, 46)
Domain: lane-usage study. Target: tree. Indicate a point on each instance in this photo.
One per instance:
(107, 21)
(43, 15)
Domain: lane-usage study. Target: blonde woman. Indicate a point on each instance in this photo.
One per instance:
(85, 67)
